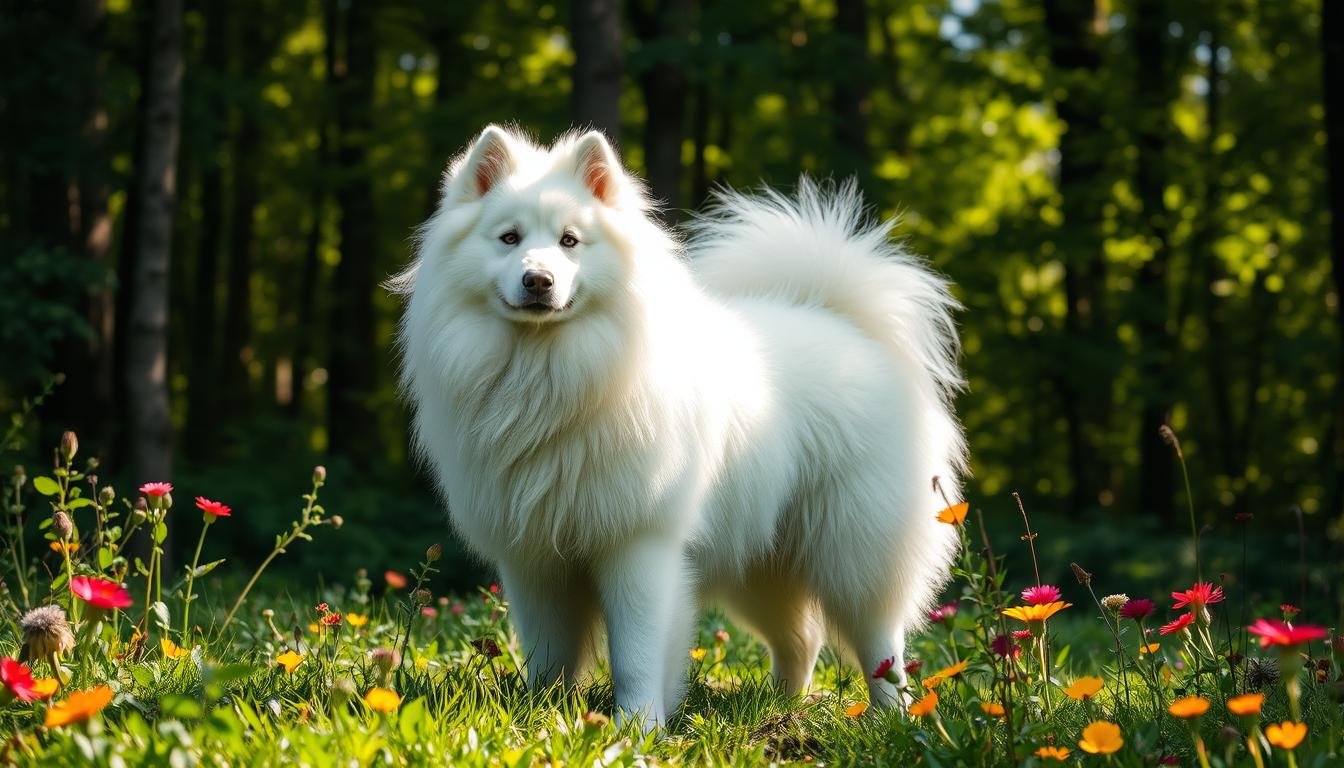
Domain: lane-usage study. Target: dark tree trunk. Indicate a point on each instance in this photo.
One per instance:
(351, 380)
(595, 29)
(236, 395)
(849, 94)
(1153, 86)
(1332, 40)
(146, 388)
(663, 82)
(453, 72)
(700, 139)
(1084, 381)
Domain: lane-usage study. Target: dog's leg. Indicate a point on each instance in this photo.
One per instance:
(782, 611)
(552, 610)
(875, 636)
(643, 594)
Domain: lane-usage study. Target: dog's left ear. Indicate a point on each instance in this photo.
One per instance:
(598, 167)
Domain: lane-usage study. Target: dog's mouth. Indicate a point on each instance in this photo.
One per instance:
(536, 308)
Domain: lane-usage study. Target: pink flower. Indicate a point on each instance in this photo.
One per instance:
(457, 608)
(156, 490)
(1185, 620)
(430, 611)
(1022, 634)
(1041, 595)
(1138, 609)
(100, 593)
(1289, 611)
(213, 508)
(943, 613)
(1275, 632)
(1003, 645)
(1198, 596)
(18, 680)
(883, 668)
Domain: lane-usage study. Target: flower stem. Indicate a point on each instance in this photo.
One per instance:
(191, 578)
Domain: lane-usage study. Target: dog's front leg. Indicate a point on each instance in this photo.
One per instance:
(643, 595)
(552, 608)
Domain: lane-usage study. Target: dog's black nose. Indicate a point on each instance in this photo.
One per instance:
(537, 281)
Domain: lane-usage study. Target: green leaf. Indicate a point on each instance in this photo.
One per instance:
(181, 707)
(201, 570)
(46, 486)
(160, 532)
(105, 558)
(74, 504)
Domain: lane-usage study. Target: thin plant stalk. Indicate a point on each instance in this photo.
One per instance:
(191, 579)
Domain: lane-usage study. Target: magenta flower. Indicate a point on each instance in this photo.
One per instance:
(1138, 609)
(156, 490)
(1003, 645)
(943, 613)
(883, 668)
(1041, 595)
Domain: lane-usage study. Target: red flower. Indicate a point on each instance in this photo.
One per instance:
(1185, 620)
(913, 666)
(1198, 596)
(213, 508)
(1003, 645)
(943, 613)
(883, 668)
(156, 490)
(395, 580)
(494, 589)
(1022, 634)
(1275, 632)
(331, 620)
(430, 611)
(1289, 611)
(1041, 595)
(322, 608)
(1138, 609)
(100, 593)
(18, 680)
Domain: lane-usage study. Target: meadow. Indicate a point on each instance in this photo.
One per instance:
(112, 659)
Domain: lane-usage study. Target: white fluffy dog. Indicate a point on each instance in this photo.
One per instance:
(627, 432)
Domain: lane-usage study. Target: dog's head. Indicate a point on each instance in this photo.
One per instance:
(535, 234)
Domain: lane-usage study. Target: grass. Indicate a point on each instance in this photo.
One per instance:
(398, 676)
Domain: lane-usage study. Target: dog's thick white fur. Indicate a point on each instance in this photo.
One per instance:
(630, 429)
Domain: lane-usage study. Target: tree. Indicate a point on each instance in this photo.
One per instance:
(664, 33)
(595, 99)
(849, 94)
(146, 367)
(1332, 43)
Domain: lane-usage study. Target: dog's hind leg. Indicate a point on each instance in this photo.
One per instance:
(553, 611)
(780, 608)
(873, 631)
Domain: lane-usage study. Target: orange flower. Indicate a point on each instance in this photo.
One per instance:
(1083, 688)
(1246, 704)
(45, 687)
(955, 514)
(65, 546)
(382, 700)
(172, 650)
(1286, 735)
(992, 708)
(925, 706)
(1035, 616)
(1101, 738)
(1189, 707)
(856, 709)
(1150, 648)
(932, 681)
(1053, 753)
(78, 706)
(952, 671)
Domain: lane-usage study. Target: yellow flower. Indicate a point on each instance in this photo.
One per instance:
(1150, 648)
(992, 708)
(1189, 707)
(1246, 704)
(952, 671)
(856, 709)
(45, 687)
(172, 650)
(698, 654)
(79, 706)
(356, 620)
(1101, 738)
(955, 514)
(1083, 688)
(315, 628)
(382, 700)
(1286, 735)
(1053, 753)
(421, 662)
(1034, 613)
(925, 706)
(289, 660)
(65, 546)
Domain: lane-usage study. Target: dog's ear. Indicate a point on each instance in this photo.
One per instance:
(598, 167)
(489, 162)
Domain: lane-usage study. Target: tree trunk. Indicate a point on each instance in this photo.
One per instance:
(150, 443)
(849, 94)
(664, 87)
(352, 427)
(1332, 41)
(236, 393)
(1153, 86)
(595, 99)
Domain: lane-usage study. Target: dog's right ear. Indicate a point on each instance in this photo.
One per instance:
(489, 162)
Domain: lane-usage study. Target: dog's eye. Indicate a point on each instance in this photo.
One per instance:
(568, 240)
(509, 238)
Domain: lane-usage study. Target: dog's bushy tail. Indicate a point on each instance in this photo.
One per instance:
(821, 248)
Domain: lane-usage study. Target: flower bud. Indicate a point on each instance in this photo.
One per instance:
(20, 476)
(69, 445)
(386, 660)
(319, 475)
(337, 521)
(107, 495)
(434, 552)
(141, 508)
(1081, 575)
(94, 463)
(60, 522)
(342, 692)
(92, 480)
(268, 613)
(166, 501)
(422, 597)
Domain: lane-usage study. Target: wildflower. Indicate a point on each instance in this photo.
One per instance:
(422, 597)
(46, 633)
(45, 687)
(856, 709)
(925, 706)
(1275, 632)
(1003, 645)
(1189, 707)
(595, 719)
(1083, 688)
(1101, 738)
(1286, 735)
(385, 659)
(1149, 648)
(992, 708)
(883, 667)
(382, 700)
(64, 547)
(1289, 611)
(1114, 603)
(1041, 595)
(319, 475)
(698, 654)
(1035, 616)
(721, 636)
(79, 706)
(434, 552)
(494, 589)
(913, 666)
(1179, 624)
(156, 490)
(1246, 704)
(952, 671)
(1137, 609)
(172, 650)
(395, 580)
(955, 514)
(322, 608)
(1053, 753)
(100, 593)
(429, 611)
(69, 445)
(212, 509)
(356, 620)
(1197, 597)
(62, 525)
(943, 613)
(331, 620)
(17, 680)
(1021, 634)
(289, 661)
